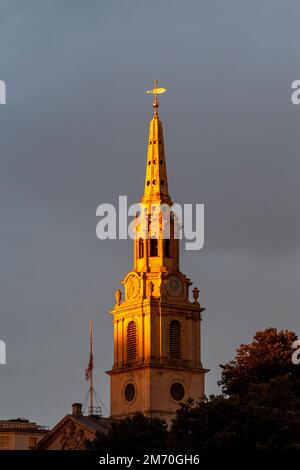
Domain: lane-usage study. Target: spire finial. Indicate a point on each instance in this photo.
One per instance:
(156, 91)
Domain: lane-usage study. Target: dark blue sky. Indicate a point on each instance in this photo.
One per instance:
(73, 135)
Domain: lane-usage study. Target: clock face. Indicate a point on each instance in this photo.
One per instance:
(174, 286)
(132, 286)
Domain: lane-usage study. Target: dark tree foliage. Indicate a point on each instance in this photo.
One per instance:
(259, 408)
(265, 418)
(268, 356)
(133, 436)
(260, 404)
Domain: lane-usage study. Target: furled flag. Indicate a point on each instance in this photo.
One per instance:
(89, 369)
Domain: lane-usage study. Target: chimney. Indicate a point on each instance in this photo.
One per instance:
(77, 409)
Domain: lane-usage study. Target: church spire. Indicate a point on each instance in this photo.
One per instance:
(157, 360)
(156, 182)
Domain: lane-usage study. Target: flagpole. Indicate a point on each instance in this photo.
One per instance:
(91, 354)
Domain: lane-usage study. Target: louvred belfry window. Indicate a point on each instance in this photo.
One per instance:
(167, 248)
(174, 340)
(131, 341)
(153, 247)
(141, 248)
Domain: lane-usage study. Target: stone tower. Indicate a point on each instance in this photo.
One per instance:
(157, 335)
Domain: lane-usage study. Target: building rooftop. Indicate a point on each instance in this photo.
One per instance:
(21, 425)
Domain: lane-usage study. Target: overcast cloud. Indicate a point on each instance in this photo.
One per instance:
(73, 135)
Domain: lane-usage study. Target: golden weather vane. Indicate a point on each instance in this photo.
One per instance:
(156, 91)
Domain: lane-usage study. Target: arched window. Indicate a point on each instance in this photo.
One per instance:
(174, 340)
(131, 341)
(153, 247)
(167, 248)
(141, 248)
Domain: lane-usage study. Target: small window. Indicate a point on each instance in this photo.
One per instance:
(177, 391)
(154, 182)
(154, 161)
(149, 163)
(153, 247)
(32, 442)
(150, 143)
(162, 182)
(141, 248)
(148, 182)
(4, 442)
(154, 141)
(129, 392)
(161, 162)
